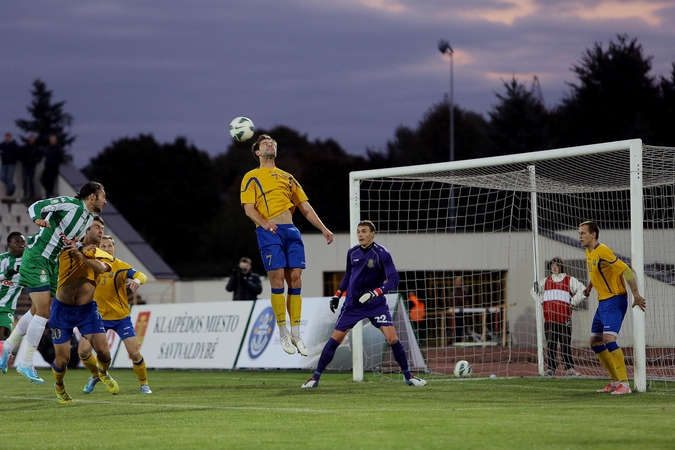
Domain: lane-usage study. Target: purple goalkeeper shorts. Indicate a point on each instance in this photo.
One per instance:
(378, 314)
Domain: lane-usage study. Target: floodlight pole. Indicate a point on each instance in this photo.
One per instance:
(445, 48)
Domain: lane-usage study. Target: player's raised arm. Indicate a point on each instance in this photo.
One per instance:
(309, 213)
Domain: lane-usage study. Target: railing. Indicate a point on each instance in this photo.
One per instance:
(440, 318)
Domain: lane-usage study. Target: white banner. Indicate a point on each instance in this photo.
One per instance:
(262, 350)
(39, 361)
(188, 335)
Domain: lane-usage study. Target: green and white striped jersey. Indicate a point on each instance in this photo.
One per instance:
(9, 287)
(68, 218)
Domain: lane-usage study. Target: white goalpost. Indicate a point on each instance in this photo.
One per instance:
(471, 238)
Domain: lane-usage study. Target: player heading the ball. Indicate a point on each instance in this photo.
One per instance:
(269, 196)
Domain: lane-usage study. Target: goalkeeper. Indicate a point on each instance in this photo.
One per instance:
(370, 273)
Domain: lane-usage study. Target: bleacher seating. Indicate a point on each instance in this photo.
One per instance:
(14, 217)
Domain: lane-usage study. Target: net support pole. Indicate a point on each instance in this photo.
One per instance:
(539, 313)
(638, 264)
(357, 331)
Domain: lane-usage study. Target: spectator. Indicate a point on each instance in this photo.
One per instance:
(557, 294)
(245, 284)
(9, 155)
(31, 154)
(54, 156)
(417, 315)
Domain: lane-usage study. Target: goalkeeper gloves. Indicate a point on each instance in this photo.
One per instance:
(11, 273)
(335, 300)
(369, 295)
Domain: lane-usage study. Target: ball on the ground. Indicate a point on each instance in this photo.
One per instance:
(493, 376)
(241, 128)
(463, 369)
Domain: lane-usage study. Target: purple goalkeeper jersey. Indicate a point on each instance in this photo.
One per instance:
(368, 269)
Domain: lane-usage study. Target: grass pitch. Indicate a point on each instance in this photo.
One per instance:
(267, 409)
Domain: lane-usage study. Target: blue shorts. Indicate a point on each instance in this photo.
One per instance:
(609, 315)
(378, 314)
(64, 318)
(283, 249)
(123, 327)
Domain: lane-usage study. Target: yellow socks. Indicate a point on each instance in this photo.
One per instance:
(91, 363)
(141, 371)
(279, 305)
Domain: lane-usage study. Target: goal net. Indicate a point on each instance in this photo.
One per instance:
(470, 238)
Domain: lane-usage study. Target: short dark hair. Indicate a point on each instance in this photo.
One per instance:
(256, 145)
(592, 227)
(12, 234)
(99, 219)
(92, 187)
(245, 260)
(368, 224)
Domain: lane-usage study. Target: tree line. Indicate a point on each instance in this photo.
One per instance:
(186, 202)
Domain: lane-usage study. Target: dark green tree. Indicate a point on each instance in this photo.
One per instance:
(47, 118)
(615, 98)
(519, 122)
(665, 114)
(168, 192)
(429, 143)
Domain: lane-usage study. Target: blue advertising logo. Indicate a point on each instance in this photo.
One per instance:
(261, 333)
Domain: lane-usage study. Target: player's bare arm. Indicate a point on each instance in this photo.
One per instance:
(42, 223)
(94, 264)
(638, 300)
(588, 289)
(254, 215)
(307, 211)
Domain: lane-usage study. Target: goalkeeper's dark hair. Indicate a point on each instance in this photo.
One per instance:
(92, 187)
(256, 145)
(13, 234)
(368, 224)
(592, 228)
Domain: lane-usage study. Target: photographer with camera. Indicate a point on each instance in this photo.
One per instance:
(245, 284)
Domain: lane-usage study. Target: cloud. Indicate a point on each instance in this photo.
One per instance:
(351, 70)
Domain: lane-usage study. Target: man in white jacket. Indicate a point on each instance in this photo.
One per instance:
(557, 294)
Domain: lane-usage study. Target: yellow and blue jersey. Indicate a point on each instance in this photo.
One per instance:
(111, 291)
(71, 268)
(271, 191)
(604, 270)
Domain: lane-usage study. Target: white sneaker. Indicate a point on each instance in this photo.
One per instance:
(414, 381)
(311, 383)
(572, 373)
(300, 345)
(286, 344)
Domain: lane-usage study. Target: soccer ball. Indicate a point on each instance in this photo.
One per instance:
(463, 369)
(242, 128)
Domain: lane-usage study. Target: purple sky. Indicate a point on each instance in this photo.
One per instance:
(351, 70)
